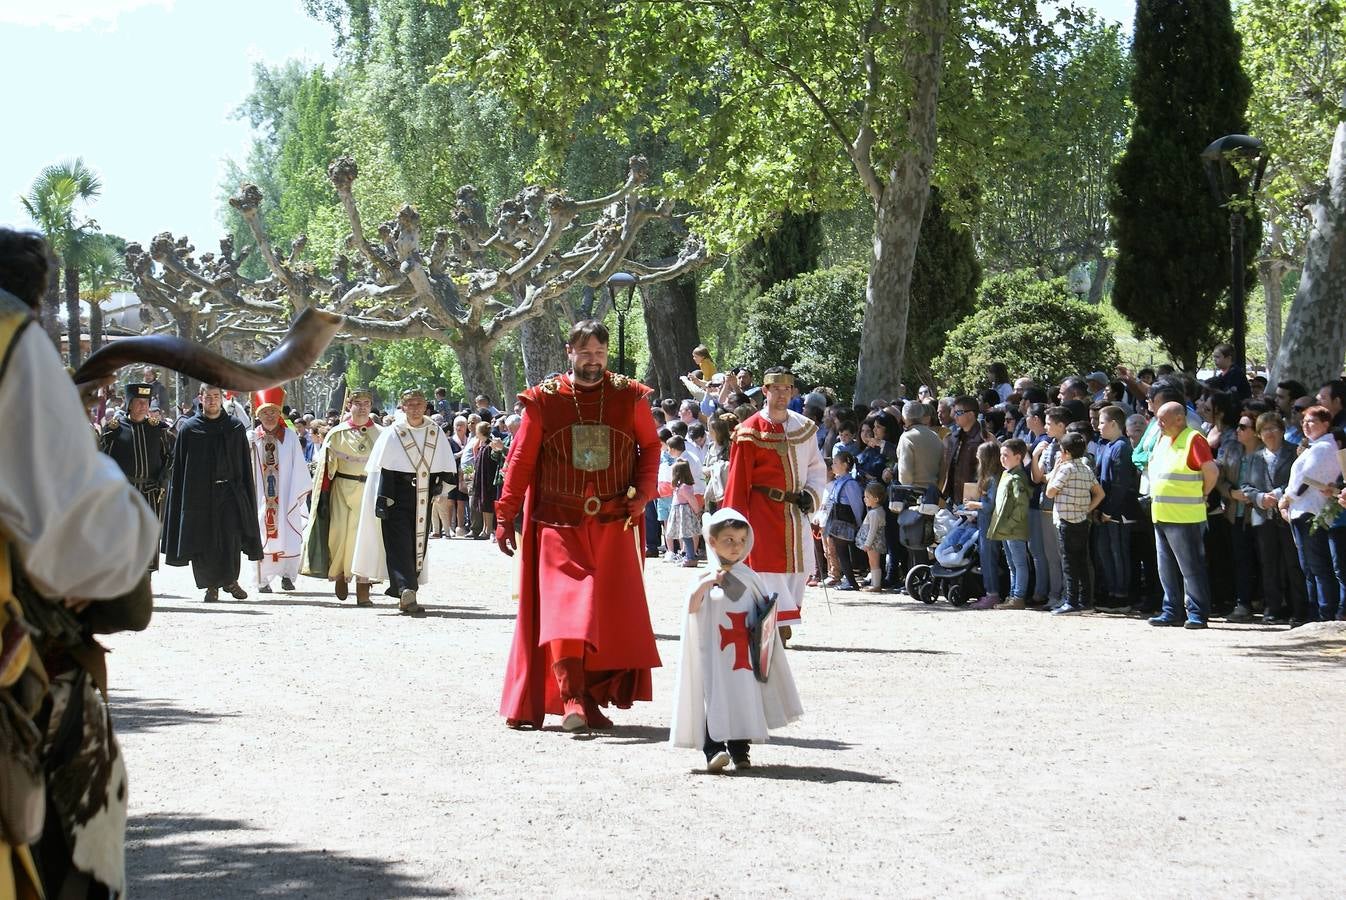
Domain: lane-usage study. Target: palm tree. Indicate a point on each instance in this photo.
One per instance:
(104, 270)
(51, 203)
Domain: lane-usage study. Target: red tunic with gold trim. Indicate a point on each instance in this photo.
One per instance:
(581, 565)
(770, 464)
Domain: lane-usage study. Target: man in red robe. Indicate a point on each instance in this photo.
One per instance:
(581, 469)
(776, 478)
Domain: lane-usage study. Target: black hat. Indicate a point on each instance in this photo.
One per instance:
(139, 391)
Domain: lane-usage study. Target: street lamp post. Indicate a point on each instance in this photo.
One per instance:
(1229, 161)
(616, 280)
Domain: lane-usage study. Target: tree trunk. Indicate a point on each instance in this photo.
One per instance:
(474, 361)
(542, 346)
(898, 208)
(1314, 343)
(95, 326)
(74, 327)
(1271, 273)
(670, 333)
(1102, 268)
(51, 304)
(509, 377)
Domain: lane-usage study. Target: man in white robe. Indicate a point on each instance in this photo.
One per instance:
(410, 464)
(282, 485)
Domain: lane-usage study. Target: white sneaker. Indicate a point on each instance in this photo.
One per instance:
(408, 604)
(718, 761)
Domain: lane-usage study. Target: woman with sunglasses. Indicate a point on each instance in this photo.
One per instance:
(1312, 478)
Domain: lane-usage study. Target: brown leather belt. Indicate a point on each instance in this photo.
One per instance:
(777, 494)
(352, 477)
(590, 506)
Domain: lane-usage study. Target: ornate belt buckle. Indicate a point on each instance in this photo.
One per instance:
(776, 494)
(592, 505)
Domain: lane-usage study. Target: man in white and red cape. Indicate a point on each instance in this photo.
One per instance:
(581, 470)
(776, 478)
(282, 484)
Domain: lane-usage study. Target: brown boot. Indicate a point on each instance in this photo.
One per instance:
(342, 590)
(570, 682)
(362, 594)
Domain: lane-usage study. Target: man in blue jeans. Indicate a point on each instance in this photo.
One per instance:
(1182, 473)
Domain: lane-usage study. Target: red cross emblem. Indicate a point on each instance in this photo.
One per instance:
(737, 635)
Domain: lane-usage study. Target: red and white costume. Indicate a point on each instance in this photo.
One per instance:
(770, 464)
(581, 564)
(282, 484)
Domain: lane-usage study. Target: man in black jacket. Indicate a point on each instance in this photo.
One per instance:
(211, 515)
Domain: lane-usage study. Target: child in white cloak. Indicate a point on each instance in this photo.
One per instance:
(718, 704)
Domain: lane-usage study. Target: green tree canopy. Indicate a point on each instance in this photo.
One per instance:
(776, 106)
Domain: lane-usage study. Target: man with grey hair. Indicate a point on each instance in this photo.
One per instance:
(919, 450)
(943, 417)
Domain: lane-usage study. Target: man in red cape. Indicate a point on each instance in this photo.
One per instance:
(581, 468)
(777, 478)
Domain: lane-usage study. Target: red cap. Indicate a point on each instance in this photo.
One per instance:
(274, 397)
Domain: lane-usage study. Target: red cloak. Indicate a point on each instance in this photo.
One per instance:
(581, 566)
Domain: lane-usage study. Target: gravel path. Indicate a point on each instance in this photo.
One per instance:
(298, 747)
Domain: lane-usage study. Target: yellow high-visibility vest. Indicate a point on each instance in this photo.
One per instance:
(1175, 486)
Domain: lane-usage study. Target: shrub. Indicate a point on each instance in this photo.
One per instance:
(810, 325)
(1036, 328)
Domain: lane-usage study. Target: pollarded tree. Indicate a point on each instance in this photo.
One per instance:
(1172, 239)
(778, 106)
(478, 280)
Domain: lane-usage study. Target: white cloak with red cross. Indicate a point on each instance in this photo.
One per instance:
(716, 690)
(281, 482)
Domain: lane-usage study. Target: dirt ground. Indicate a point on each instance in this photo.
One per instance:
(298, 747)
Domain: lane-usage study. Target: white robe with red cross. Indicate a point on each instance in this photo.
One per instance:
(716, 690)
(282, 483)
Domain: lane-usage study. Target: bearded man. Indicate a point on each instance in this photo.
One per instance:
(581, 468)
(339, 485)
(410, 463)
(777, 478)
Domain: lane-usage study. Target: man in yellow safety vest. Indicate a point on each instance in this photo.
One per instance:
(1182, 471)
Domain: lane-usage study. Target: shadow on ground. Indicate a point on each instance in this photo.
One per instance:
(186, 857)
(132, 714)
(1310, 653)
(815, 774)
(208, 608)
(809, 648)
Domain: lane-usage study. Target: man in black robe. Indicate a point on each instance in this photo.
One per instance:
(211, 515)
(142, 448)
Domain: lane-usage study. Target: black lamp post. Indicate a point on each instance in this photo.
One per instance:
(616, 280)
(1229, 162)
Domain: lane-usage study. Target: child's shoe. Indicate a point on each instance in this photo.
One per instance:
(717, 761)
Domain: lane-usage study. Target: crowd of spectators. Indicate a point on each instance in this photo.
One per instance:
(1151, 493)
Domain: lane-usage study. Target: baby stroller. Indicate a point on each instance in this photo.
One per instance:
(915, 509)
(953, 563)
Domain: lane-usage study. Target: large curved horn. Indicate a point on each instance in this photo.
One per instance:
(307, 338)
